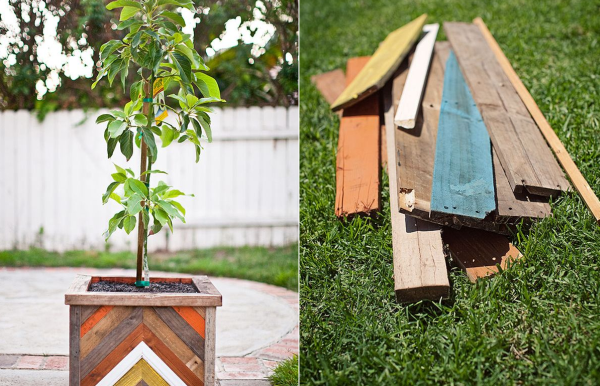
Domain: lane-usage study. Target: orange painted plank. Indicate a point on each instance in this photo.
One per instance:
(193, 318)
(358, 155)
(94, 318)
(331, 84)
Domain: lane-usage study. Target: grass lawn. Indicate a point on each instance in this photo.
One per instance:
(278, 266)
(538, 322)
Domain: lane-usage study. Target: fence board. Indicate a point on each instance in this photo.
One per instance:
(52, 175)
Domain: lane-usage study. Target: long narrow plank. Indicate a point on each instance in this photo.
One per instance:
(95, 318)
(175, 344)
(138, 373)
(479, 253)
(419, 265)
(382, 65)
(527, 161)
(582, 186)
(463, 174)
(167, 356)
(512, 207)
(210, 353)
(357, 163)
(331, 84)
(410, 101)
(183, 330)
(415, 152)
(74, 326)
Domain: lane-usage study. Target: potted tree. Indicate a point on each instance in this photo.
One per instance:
(126, 330)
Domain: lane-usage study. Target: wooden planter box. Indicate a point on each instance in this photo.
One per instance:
(142, 338)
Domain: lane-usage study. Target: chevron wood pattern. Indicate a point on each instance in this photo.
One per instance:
(179, 340)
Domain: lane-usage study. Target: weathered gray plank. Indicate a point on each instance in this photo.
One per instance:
(527, 161)
(74, 331)
(183, 330)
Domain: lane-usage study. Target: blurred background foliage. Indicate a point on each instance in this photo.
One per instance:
(252, 71)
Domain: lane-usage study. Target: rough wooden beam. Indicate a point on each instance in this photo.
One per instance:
(582, 186)
(525, 158)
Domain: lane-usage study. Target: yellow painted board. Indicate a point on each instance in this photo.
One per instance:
(141, 371)
(382, 65)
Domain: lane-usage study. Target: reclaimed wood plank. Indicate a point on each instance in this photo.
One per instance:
(90, 322)
(358, 158)
(122, 350)
(170, 359)
(103, 328)
(183, 330)
(418, 257)
(111, 341)
(410, 101)
(382, 65)
(87, 311)
(211, 333)
(512, 207)
(175, 344)
(463, 174)
(527, 161)
(479, 253)
(331, 84)
(192, 317)
(578, 180)
(74, 351)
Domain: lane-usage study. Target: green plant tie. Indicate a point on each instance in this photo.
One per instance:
(142, 283)
(148, 100)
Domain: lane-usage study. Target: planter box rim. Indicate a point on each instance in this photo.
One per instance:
(207, 296)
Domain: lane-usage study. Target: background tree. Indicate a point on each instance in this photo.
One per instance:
(248, 75)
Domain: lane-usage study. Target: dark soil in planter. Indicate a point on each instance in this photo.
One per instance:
(158, 287)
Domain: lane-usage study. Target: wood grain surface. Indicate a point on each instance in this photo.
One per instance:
(527, 161)
(358, 158)
(418, 257)
(479, 253)
(463, 174)
(382, 65)
(580, 183)
(331, 84)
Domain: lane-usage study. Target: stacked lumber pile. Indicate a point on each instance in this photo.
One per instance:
(466, 149)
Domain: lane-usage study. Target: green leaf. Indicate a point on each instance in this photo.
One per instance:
(170, 209)
(111, 144)
(145, 219)
(156, 130)
(161, 216)
(159, 189)
(197, 153)
(135, 90)
(129, 224)
(184, 66)
(167, 136)
(134, 205)
(138, 186)
(197, 127)
(207, 85)
(136, 39)
(140, 119)
(173, 193)
(156, 227)
(118, 113)
(153, 172)
(111, 188)
(178, 206)
(119, 177)
(115, 197)
(104, 118)
(108, 48)
(119, 169)
(206, 127)
(113, 223)
(175, 17)
(123, 3)
(126, 144)
(149, 139)
(116, 128)
(128, 12)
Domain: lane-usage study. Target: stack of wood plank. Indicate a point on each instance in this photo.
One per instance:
(466, 147)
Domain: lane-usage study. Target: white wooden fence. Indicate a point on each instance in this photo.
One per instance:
(53, 174)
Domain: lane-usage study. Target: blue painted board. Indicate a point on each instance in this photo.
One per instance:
(463, 175)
